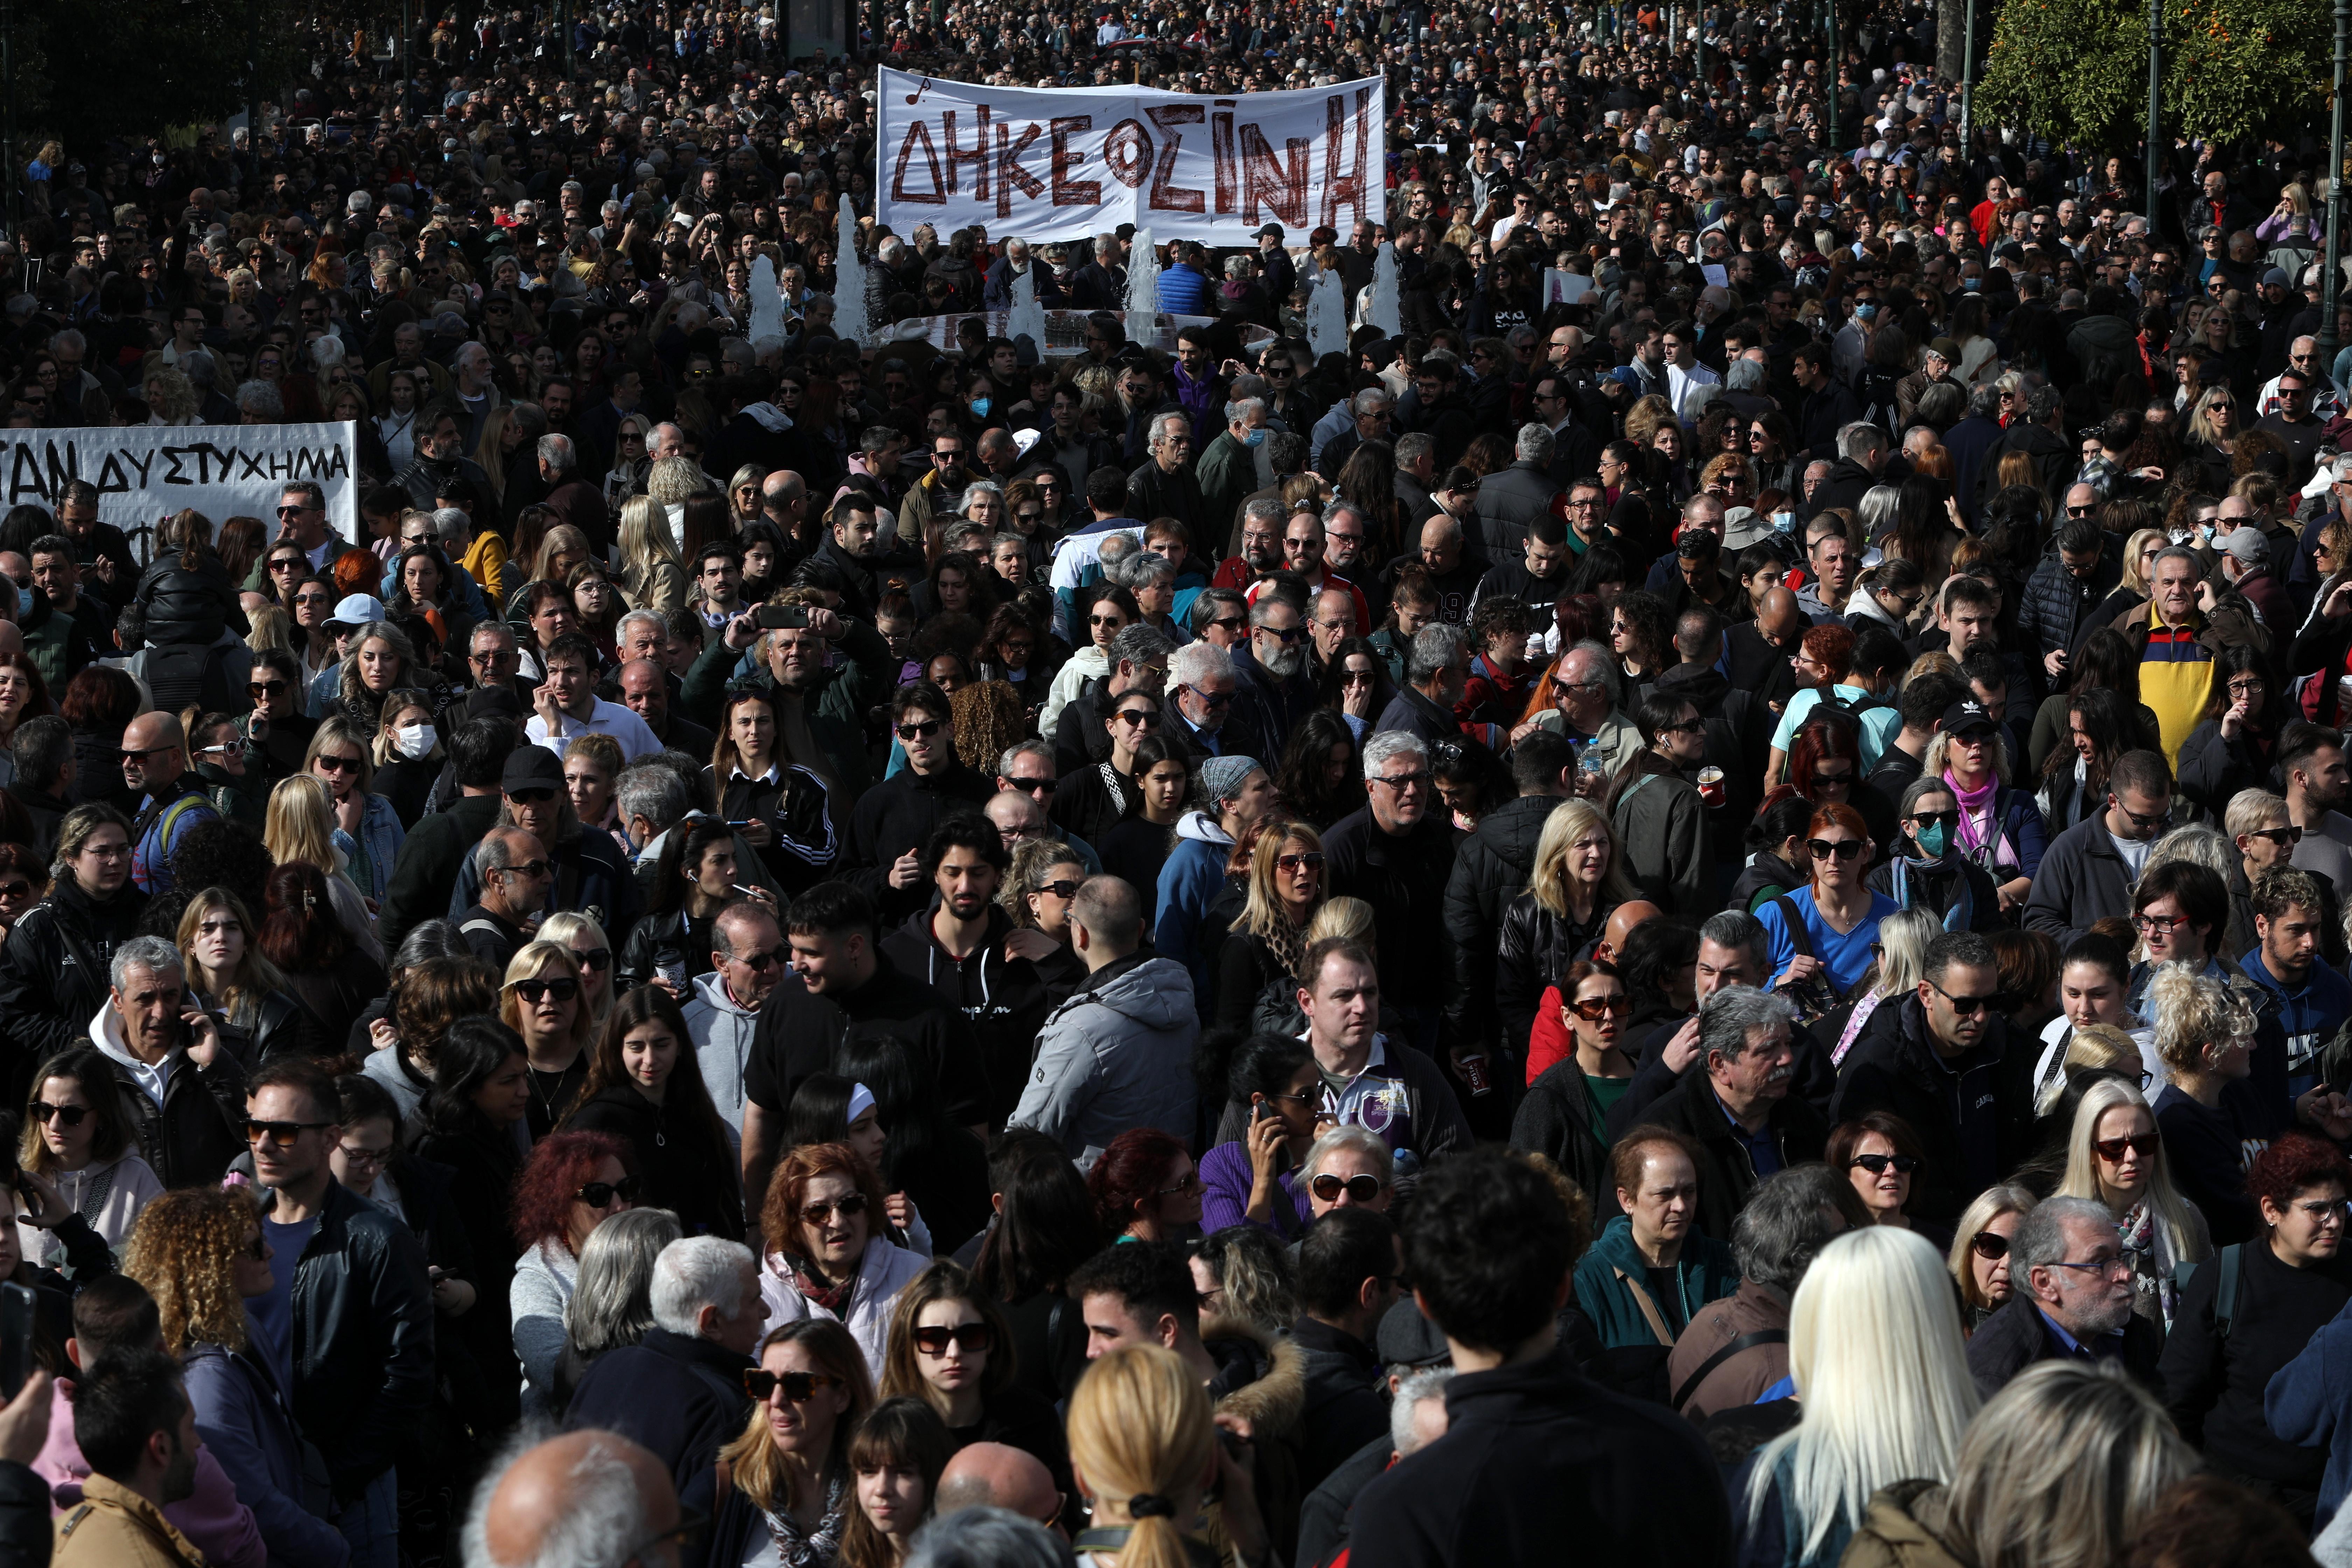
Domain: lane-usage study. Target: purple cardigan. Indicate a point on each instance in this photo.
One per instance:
(1224, 1200)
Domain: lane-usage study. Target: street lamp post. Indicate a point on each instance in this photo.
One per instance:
(2331, 279)
(2154, 80)
(1967, 77)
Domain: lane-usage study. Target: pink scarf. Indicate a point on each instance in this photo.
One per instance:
(1973, 803)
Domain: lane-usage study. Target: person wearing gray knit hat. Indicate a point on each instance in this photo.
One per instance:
(1238, 792)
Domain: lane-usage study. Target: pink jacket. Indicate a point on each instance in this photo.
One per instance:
(210, 1516)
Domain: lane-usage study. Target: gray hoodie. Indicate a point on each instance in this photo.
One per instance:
(1116, 1054)
(723, 1035)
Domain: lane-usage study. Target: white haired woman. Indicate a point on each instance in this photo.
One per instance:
(1874, 1352)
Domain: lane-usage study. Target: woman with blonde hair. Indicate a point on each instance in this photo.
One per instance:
(2058, 1470)
(406, 754)
(1578, 877)
(300, 825)
(1979, 1259)
(272, 630)
(594, 952)
(625, 480)
(652, 576)
(744, 493)
(1268, 943)
(787, 1497)
(1894, 973)
(1145, 1452)
(2115, 1156)
(1876, 1355)
(217, 939)
(540, 1000)
(2205, 1113)
(368, 832)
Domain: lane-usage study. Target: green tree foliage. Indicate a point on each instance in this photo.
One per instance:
(2076, 70)
(130, 68)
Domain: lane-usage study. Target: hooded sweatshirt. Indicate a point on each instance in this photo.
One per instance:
(1189, 880)
(1002, 999)
(722, 1029)
(1118, 1054)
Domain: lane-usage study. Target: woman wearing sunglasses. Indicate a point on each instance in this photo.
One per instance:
(1349, 1167)
(1094, 800)
(1927, 870)
(540, 1000)
(594, 950)
(573, 1182)
(1268, 943)
(77, 1137)
(2116, 1156)
(2293, 1284)
(950, 1347)
(1879, 1154)
(789, 1495)
(824, 1259)
(645, 1087)
(1258, 1179)
(368, 830)
(1093, 624)
(1978, 1256)
(1565, 1114)
(1820, 936)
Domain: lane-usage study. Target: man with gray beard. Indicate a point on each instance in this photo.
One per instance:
(1277, 688)
(1738, 1109)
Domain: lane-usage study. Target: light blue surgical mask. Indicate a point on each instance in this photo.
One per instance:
(1933, 840)
(1786, 522)
(1255, 437)
(979, 407)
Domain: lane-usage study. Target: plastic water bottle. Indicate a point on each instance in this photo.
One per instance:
(1589, 766)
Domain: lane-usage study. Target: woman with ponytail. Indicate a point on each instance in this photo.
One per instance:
(1146, 1455)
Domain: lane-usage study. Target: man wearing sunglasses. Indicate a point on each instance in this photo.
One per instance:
(842, 986)
(2087, 873)
(748, 956)
(514, 872)
(1934, 1061)
(893, 820)
(349, 1302)
(154, 761)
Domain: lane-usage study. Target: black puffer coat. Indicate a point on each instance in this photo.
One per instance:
(188, 605)
(1490, 869)
(54, 973)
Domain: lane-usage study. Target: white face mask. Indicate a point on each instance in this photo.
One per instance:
(413, 741)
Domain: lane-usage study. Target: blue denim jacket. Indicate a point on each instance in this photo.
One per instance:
(381, 831)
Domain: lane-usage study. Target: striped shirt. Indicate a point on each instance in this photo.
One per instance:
(2175, 681)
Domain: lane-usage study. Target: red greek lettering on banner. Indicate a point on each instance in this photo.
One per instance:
(1009, 172)
(977, 157)
(1127, 153)
(1349, 189)
(1166, 197)
(1264, 177)
(1221, 148)
(937, 196)
(1068, 191)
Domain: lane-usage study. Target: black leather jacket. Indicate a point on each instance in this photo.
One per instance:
(54, 972)
(363, 1345)
(188, 605)
(1537, 948)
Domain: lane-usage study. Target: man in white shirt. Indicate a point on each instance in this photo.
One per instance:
(566, 706)
(1684, 372)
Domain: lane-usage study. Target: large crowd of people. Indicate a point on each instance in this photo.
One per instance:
(1683, 899)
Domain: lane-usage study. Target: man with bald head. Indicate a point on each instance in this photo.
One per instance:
(997, 1474)
(1584, 708)
(1758, 653)
(586, 1500)
(783, 501)
(173, 800)
(1621, 924)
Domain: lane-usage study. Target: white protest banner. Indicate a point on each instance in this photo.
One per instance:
(144, 473)
(1068, 163)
